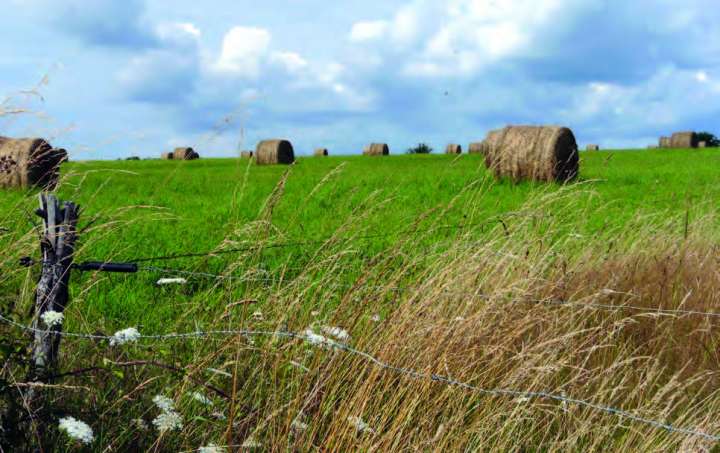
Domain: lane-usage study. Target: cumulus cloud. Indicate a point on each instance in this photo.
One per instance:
(242, 51)
(366, 31)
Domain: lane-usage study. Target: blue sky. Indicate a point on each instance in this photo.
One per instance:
(110, 78)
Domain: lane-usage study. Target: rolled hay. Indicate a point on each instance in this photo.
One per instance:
(320, 152)
(453, 149)
(185, 153)
(271, 152)
(376, 149)
(246, 154)
(684, 140)
(537, 153)
(702, 144)
(664, 142)
(29, 162)
(167, 156)
(593, 147)
(476, 148)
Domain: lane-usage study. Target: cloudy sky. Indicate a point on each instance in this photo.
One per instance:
(109, 78)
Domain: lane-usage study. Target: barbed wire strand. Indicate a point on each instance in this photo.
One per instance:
(396, 369)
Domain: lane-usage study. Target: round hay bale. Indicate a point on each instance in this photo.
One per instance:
(702, 144)
(29, 162)
(377, 149)
(453, 149)
(271, 152)
(684, 140)
(664, 142)
(185, 153)
(167, 156)
(246, 154)
(475, 148)
(320, 152)
(537, 153)
(593, 147)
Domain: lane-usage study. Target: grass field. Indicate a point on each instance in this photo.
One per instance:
(429, 264)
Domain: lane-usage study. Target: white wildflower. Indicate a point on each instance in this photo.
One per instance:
(168, 421)
(250, 442)
(336, 332)
(76, 429)
(52, 318)
(128, 335)
(258, 316)
(316, 339)
(211, 448)
(171, 281)
(164, 403)
(315, 313)
(459, 319)
(522, 400)
(140, 424)
(360, 425)
(197, 396)
(375, 318)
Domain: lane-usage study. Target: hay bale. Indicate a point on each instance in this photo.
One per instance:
(453, 149)
(684, 140)
(185, 153)
(377, 149)
(476, 148)
(29, 162)
(246, 154)
(167, 156)
(664, 142)
(270, 152)
(702, 144)
(593, 147)
(320, 152)
(538, 153)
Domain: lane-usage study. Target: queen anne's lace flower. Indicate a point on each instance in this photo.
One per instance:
(168, 421)
(125, 336)
(164, 403)
(52, 318)
(76, 429)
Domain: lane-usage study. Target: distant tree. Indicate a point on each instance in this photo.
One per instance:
(421, 148)
(711, 140)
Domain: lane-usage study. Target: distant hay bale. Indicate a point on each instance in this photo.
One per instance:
(320, 152)
(185, 153)
(593, 147)
(453, 149)
(652, 147)
(476, 148)
(538, 153)
(684, 140)
(664, 142)
(270, 152)
(702, 144)
(246, 154)
(167, 156)
(29, 162)
(377, 149)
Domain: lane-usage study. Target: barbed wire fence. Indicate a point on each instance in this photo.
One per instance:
(49, 297)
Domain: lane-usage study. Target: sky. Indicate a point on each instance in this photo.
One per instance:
(109, 79)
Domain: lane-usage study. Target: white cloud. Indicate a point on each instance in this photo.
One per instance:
(242, 51)
(292, 61)
(701, 76)
(368, 31)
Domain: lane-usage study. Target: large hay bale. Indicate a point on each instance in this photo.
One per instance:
(320, 152)
(593, 147)
(702, 144)
(538, 153)
(29, 162)
(476, 148)
(167, 156)
(185, 153)
(453, 149)
(377, 149)
(664, 142)
(270, 152)
(684, 140)
(246, 154)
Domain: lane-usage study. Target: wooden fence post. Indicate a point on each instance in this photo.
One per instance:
(57, 247)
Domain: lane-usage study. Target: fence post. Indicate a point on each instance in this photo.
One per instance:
(57, 246)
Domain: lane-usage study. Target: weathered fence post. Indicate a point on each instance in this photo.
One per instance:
(57, 248)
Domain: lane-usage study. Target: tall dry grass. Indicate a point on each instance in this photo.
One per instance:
(521, 305)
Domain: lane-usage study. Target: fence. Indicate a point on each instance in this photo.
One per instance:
(57, 244)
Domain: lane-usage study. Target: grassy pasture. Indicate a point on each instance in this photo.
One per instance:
(439, 222)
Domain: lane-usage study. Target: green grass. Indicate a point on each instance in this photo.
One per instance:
(398, 220)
